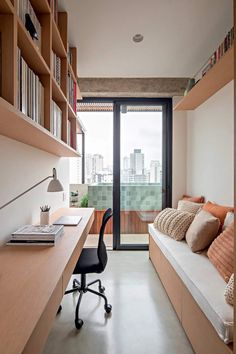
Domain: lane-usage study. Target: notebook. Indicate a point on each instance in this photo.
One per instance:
(68, 220)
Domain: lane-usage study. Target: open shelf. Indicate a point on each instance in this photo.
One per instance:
(71, 112)
(57, 43)
(72, 72)
(217, 77)
(29, 51)
(41, 6)
(57, 93)
(17, 126)
(6, 7)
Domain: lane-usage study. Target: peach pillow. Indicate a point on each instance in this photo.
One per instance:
(221, 252)
(193, 199)
(219, 211)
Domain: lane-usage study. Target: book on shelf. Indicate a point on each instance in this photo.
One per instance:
(56, 120)
(69, 133)
(30, 92)
(69, 55)
(56, 68)
(221, 50)
(71, 91)
(37, 235)
(25, 8)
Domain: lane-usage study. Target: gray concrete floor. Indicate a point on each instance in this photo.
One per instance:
(142, 320)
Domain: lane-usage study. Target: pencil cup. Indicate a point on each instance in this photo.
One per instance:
(44, 218)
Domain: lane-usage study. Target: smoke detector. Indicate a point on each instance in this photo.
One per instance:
(137, 38)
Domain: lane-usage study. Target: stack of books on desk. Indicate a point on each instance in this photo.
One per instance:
(37, 235)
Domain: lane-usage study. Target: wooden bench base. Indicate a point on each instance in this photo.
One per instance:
(199, 330)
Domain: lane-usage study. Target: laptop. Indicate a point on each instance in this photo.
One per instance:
(68, 220)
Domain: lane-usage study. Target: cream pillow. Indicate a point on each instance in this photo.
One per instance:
(191, 207)
(173, 223)
(202, 231)
(228, 219)
(229, 291)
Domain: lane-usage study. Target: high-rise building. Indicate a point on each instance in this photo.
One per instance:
(97, 163)
(137, 162)
(126, 163)
(155, 171)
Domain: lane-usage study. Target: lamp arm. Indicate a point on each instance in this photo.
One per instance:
(27, 190)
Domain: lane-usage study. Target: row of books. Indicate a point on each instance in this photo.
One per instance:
(30, 92)
(69, 55)
(37, 235)
(221, 50)
(55, 120)
(56, 68)
(25, 8)
(71, 91)
(69, 133)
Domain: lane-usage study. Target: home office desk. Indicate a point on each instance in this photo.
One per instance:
(32, 284)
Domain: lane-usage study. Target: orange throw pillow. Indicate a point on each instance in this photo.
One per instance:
(219, 211)
(193, 199)
(221, 252)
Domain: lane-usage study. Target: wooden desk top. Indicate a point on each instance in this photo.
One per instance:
(28, 277)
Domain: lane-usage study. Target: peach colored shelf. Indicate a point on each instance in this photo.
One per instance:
(72, 72)
(71, 112)
(217, 77)
(57, 93)
(6, 7)
(17, 126)
(57, 43)
(30, 52)
(41, 6)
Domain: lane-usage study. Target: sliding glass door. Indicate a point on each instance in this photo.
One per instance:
(136, 182)
(142, 149)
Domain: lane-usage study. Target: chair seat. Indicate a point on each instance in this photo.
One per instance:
(88, 262)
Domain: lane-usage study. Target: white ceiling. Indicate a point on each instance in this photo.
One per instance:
(179, 35)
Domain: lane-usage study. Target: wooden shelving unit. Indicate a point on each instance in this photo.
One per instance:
(217, 77)
(54, 38)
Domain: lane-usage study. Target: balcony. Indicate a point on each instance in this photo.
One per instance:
(140, 204)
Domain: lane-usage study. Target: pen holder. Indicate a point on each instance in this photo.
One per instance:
(44, 218)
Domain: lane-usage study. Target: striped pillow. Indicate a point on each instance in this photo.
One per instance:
(173, 223)
(221, 252)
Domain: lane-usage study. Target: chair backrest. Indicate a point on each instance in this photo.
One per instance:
(101, 251)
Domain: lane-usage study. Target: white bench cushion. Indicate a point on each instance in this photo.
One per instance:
(201, 279)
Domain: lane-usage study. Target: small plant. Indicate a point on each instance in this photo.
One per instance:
(45, 208)
(84, 201)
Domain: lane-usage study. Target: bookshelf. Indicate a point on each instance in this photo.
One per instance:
(27, 127)
(217, 77)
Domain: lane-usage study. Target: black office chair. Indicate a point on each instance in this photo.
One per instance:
(91, 260)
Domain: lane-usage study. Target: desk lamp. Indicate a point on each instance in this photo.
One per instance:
(54, 186)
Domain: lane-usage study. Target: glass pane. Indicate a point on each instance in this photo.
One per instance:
(96, 192)
(141, 171)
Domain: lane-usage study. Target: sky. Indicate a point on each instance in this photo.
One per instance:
(139, 130)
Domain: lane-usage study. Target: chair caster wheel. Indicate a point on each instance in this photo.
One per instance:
(108, 308)
(74, 284)
(101, 289)
(59, 309)
(79, 323)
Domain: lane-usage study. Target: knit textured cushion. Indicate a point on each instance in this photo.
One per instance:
(229, 291)
(191, 207)
(174, 223)
(221, 252)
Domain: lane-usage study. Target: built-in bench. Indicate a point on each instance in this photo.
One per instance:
(196, 291)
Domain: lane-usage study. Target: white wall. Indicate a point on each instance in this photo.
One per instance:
(179, 154)
(21, 167)
(210, 148)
